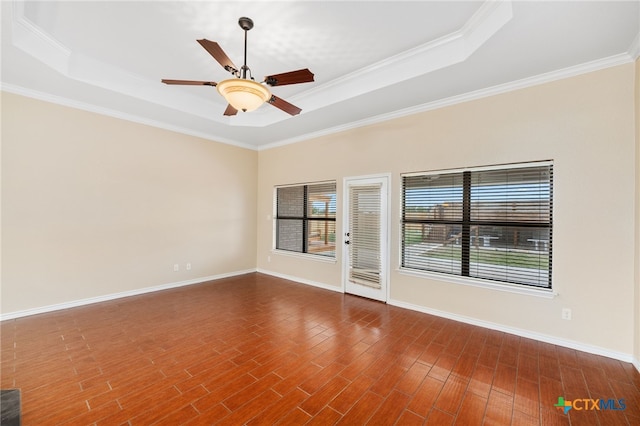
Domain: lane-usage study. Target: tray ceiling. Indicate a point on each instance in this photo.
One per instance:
(372, 60)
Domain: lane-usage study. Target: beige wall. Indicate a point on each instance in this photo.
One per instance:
(585, 124)
(94, 206)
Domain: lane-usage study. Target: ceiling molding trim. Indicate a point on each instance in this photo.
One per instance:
(402, 62)
(490, 18)
(524, 83)
(634, 49)
(96, 73)
(448, 50)
(31, 39)
(36, 42)
(478, 94)
(59, 100)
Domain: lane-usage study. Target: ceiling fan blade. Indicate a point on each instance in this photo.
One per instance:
(292, 77)
(230, 110)
(218, 54)
(284, 105)
(190, 82)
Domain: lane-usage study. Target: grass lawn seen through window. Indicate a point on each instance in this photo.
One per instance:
(516, 259)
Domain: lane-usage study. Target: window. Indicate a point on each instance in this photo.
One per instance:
(306, 218)
(491, 223)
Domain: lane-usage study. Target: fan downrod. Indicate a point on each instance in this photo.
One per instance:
(245, 23)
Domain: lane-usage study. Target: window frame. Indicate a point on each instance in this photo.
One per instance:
(306, 218)
(463, 277)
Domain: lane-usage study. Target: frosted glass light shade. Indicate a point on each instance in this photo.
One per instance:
(243, 95)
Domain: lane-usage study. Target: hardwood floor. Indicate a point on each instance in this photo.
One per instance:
(260, 350)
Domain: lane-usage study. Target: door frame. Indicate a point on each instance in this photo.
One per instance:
(385, 223)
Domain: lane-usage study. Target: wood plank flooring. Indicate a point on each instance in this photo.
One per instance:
(259, 350)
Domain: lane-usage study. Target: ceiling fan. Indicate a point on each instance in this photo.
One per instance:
(242, 93)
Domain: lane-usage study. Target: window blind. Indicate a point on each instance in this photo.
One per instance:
(305, 218)
(364, 228)
(493, 224)
(290, 218)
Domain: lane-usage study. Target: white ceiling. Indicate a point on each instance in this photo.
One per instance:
(372, 60)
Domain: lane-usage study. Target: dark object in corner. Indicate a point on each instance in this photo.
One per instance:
(10, 407)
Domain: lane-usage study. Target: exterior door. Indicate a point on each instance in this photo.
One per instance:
(366, 247)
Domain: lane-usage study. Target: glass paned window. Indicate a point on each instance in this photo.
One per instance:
(489, 223)
(305, 218)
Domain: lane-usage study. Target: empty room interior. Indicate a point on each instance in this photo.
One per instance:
(428, 214)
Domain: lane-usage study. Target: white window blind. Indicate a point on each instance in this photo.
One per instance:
(364, 230)
(305, 218)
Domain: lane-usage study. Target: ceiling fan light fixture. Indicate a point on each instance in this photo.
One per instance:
(242, 94)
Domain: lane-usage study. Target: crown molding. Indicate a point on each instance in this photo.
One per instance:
(31, 39)
(549, 77)
(59, 100)
(437, 54)
(478, 94)
(456, 47)
(36, 42)
(634, 49)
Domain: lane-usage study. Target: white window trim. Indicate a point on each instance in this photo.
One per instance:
(547, 293)
(306, 256)
(479, 168)
(478, 282)
(274, 221)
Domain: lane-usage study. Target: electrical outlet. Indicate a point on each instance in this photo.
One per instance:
(188, 266)
(268, 258)
(566, 313)
(176, 267)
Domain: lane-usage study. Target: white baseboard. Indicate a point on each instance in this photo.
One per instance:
(512, 330)
(519, 332)
(486, 324)
(301, 280)
(98, 299)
